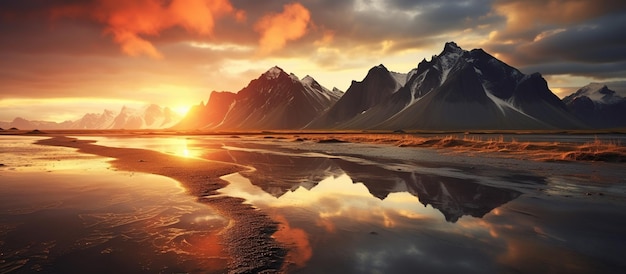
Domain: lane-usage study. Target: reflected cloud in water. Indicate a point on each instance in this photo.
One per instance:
(282, 174)
(75, 215)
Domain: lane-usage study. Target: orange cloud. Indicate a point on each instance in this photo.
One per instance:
(297, 239)
(277, 29)
(128, 20)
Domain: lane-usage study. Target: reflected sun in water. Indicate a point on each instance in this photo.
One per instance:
(180, 146)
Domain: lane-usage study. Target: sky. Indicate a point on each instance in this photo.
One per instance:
(60, 59)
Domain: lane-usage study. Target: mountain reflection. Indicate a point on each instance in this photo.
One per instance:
(280, 173)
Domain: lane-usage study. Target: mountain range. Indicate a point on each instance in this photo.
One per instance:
(455, 90)
(148, 117)
(275, 100)
(459, 89)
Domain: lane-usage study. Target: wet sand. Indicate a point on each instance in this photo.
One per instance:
(248, 239)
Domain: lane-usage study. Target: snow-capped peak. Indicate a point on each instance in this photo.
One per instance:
(307, 80)
(597, 92)
(595, 88)
(273, 73)
(448, 58)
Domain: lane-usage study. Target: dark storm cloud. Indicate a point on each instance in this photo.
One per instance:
(398, 19)
(598, 71)
(62, 37)
(581, 38)
(419, 19)
(595, 41)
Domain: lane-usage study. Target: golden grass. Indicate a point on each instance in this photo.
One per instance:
(597, 150)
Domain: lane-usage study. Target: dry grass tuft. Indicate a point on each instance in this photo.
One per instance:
(605, 151)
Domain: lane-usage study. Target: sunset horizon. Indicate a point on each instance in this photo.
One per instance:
(64, 59)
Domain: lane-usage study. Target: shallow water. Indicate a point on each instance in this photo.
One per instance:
(354, 208)
(358, 208)
(64, 212)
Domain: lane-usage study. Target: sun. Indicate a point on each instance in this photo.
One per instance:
(181, 110)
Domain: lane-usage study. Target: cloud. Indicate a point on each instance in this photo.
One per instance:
(277, 29)
(527, 19)
(130, 21)
(576, 38)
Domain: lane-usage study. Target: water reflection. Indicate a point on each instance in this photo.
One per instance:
(356, 232)
(62, 212)
(175, 145)
(353, 214)
(338, 226)
(368, 216)
(278, 174)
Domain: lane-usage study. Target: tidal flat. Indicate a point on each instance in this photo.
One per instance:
(300, 203)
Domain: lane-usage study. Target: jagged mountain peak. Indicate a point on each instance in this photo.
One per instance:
(377, 72)
(154, 108)
(598, 106)
(598, 93)
(275, 100)
(451, 49)
(595, 91)
(457, 89)
(308, 80)
(108, 112)
(274, 73)
(150, 116)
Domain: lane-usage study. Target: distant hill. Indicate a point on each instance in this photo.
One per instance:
(598, 106)
(21, 123)
(149, 117)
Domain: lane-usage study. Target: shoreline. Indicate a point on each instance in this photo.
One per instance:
(132, 132)
(606, 146)
(248, 240)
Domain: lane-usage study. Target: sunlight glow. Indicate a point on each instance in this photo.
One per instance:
(181, 148)
(181, 110)
(221, 47)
